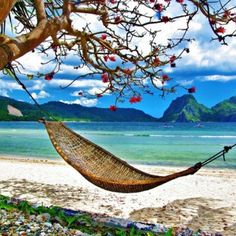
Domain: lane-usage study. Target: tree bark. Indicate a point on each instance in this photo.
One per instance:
(13, 48)
(5, 8)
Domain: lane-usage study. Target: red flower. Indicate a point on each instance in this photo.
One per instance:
(192, 90)
(152, 1)
(104, 77)
(138, 98)
(156, 61)
(135, 99)
(165, 19)
(165, 77)
(49, 76)
(172, 58)
(180, 1)
(128, 71)
(102, 1)
(158, 7)
(113, 1)
(54, 47)
(112, 58)
(118, 19)
(227, 14)
(113, 108)
(104, 36)
(220, 30)
(212, 21)
(106, 58)
(98, 95)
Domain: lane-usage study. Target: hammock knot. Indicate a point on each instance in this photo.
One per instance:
(227, 148)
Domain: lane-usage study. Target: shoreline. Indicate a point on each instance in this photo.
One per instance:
(206, 200)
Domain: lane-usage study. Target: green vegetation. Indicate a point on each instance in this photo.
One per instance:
(187, 109)
(69, 112)
(81, 221)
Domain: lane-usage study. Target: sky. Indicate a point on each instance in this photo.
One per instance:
(210, 67)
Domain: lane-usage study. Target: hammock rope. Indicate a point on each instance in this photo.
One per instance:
(101, 167)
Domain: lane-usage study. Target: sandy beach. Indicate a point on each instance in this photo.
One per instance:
(206, 200)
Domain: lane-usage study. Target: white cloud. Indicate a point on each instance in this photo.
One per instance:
(69, 69)
(209, 56)
(77, 84)
(82, 101)
(37, 85)
(221, 78)
(9, 85)
(185, 82)
(4, 93)
(41, 94)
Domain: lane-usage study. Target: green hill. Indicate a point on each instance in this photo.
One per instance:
(186, 109)
(225, 110)
(71, 112)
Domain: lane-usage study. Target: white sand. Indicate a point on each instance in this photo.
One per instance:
(206, 200)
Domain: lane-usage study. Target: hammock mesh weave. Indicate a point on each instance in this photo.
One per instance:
(101, 167)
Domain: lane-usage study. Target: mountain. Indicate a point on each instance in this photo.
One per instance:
(69, 112)
(186, 109)
(225, 110)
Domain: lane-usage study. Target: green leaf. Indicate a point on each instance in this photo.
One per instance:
(169, 232)
(8, 72)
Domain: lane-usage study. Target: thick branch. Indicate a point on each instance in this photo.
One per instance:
(40, 10)
(13, 48)
(5, 8)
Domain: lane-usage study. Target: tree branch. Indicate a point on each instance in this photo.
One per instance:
(40, 10)
(5, 8)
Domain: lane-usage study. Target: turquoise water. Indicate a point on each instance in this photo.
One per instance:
(142, 143)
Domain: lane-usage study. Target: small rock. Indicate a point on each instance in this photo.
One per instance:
(43, 217)
(48, 224)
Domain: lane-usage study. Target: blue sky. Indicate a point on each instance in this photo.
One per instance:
(209, 66)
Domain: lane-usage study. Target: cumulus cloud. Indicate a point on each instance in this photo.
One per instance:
(41, 94)
(9, 85)
(82, 101)
(220, 78)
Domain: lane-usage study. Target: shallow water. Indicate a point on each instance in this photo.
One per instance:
(136, 142)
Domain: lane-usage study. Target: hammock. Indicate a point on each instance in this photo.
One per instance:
(102, 168)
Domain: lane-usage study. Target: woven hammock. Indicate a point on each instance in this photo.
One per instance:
(102, 168)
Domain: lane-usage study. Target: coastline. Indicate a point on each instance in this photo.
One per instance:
(206, 200)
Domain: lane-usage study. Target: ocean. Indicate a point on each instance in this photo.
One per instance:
(172, 144)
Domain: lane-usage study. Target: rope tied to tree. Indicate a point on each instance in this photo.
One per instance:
(10, 67)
